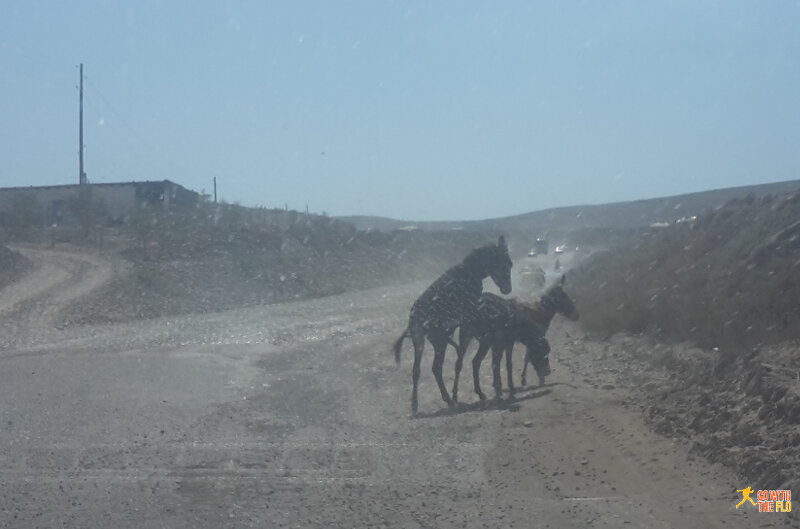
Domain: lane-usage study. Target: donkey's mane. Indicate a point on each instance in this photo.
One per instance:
(478, 254)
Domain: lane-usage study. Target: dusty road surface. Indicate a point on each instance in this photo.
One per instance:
(296, 415)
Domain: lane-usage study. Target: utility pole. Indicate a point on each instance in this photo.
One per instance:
(215, 190)
(81, 173)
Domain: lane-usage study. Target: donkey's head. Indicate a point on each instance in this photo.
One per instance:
(538, 354)
(559, 301)
(499, 264)
(493, 261)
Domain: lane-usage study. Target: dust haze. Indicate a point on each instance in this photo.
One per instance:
(247, 380)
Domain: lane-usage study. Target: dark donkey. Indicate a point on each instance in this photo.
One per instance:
(449, 301)
(504, 322)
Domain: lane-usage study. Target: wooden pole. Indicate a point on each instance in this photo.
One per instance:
(81, 173)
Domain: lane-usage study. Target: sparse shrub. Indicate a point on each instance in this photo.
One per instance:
(219, 256)
(729, 280)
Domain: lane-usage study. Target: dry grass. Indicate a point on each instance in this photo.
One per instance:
(216, 257)
(730, 279)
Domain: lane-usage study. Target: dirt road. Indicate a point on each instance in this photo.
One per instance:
(30, 305)
(295, 415)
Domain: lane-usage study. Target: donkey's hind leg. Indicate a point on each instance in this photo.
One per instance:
(497, 356)
(461, 350)
(509, 349)
(439, 340)
(525, 368)
(483, 348)
(419, 345)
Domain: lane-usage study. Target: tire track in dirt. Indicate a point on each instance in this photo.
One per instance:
(32, 303)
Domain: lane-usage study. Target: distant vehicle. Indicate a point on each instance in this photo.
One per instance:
(540, 247)
(561, 249)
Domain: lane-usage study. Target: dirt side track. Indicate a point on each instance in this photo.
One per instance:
(31, 304)
(295, 415)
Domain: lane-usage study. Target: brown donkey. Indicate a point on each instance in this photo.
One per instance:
(447, 303)
(502, 323)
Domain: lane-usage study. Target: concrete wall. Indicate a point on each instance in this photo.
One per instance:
(52, 204)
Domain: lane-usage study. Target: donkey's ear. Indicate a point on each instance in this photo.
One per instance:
(501, 241)
(563, 277)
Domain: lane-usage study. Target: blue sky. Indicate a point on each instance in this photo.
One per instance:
(419, 110)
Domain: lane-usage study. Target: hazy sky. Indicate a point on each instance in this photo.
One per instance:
(417, 110)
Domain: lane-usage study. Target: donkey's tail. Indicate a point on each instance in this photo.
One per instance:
(399, 344)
